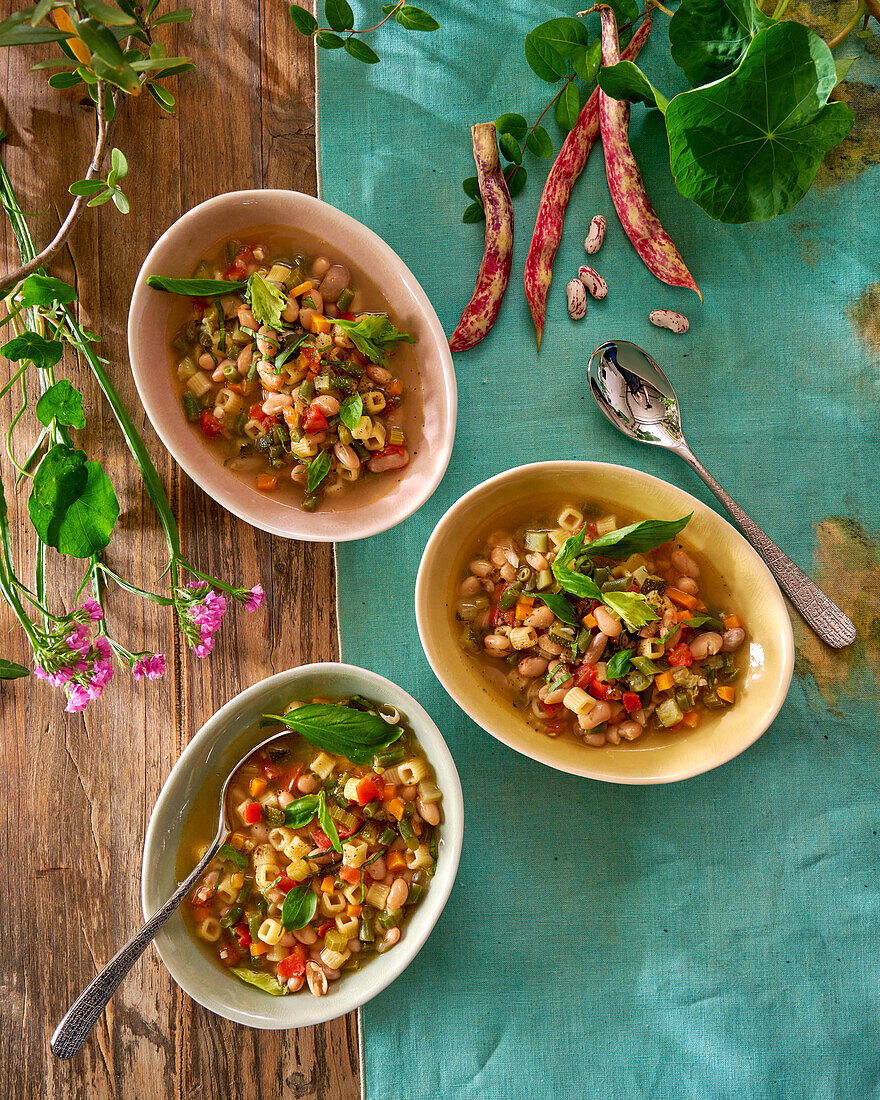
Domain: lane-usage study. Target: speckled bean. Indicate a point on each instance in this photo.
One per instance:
(607, 622)
(668, 318)
(684, 563)
(595, 234)
(732, 639)
(576, 296)
(593, 281)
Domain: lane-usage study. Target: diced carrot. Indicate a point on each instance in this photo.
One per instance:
(663, 681)
(327, 884)
(683, 616)
(258, 949)
(301, 289)
(257, 786)
(524, 607)
(732, 622)
(350, 874)
(320, 324)
(389, 792)
(589, 620)
(683, 599)
(266, 483)
(726, 692)
(395, 808)
(353, 910)
(395, 860)
(394, 388)
(692, 718)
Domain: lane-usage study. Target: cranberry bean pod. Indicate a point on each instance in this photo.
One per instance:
(481, 311)
(637, 215)
(557, 191)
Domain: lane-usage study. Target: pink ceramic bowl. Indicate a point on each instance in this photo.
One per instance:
(430, 443)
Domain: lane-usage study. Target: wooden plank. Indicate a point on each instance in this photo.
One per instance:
(80, 788)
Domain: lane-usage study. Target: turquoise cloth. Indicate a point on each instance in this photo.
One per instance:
(715, 938)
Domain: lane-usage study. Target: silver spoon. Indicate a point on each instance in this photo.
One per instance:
(83, 1014)
(636, 396)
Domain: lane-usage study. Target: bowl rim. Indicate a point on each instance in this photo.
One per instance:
(434, 902)
(365, 528)
(433, 652)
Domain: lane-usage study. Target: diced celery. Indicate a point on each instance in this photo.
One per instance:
(543, 580)
(669, 713)
(645, 666)
(536, 541)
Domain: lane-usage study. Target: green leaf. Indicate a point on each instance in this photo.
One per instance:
(162, 96)
(303, 20)
(300, 812)
(415, 19)
(107, 13)
(627, 81)
(37, 349)
(351, 411)
(544, 61)
(121, 201)
(512, 124)
(99, 200)
(72, 504)
(298, 909)
(510, 148)
(196, 288)
(619, 664)
(540, 143)
(515, 175)
(625, 11)
(86, 187)
(63, 403)
(587, 60)
(576, 584)
(632, 607)
(9, 670)
(40, 11)
(119, 164)
(339, 14)
(24, 35)
(319, 468)
(182, 15)
(748, 147)
(360, 51)
(64, 80)
(290, 346)
(227, 852)
(266, 300)
(260, 978)
(373, 335)
(842, 66)
(568, 107)
(637, 538)
(474, 213)
(709, 39)
(327, 823)
(563, 34)
(471, 187)
(697, 620)
(101, 42)
(560, 607)
(344, 731)
(41, 290)
(328, 41)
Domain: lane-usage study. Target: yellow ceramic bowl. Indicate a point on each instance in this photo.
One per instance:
(720, 736)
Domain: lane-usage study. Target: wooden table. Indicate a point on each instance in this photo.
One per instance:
(79, 788)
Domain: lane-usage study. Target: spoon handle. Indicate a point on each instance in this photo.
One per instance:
(83, 1014)
(819, 612)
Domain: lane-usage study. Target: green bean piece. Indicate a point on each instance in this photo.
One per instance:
(408, 833)
(616, 584)
(367, 933)
(309, 504)
(389, 757)
(273, 816)
(231, 917)
(601, 575)
(240, 422)
(344, 300)
(231, 250)
(191, 406)
(207, 400)
(387, 836)
(684, 701)
(307, 390)
(646, 666)
(254, 921)
(525, 576)
(372, 809)
(416, 891)
(232, 373)
(638, 681)
(361, 451)
(537, 541)
(509, 596)
(245, 892)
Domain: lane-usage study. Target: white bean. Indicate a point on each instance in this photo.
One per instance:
(267, 341)
(540, 618)
(600, 713)
(732, 639)
(686, 584)
(245, 358)
(378, 375)
(706, 645)
(630, 730)
(349, 458)
(392, 936)
(328, 404)
(334, 282)
(245, 317)
(470, 586)
(537, 561)
(382, 463)
(532, 666)
(291, 311)
(320, 267)
(306, 784)
(607, 622)
(430, 811)
(306, 935)
(683, 563)
(377, 869)
(207, 362)
(481, 568)
(275, 402)
(398, 894)
(496, 644)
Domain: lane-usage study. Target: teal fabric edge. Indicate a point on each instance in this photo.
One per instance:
(713, 938)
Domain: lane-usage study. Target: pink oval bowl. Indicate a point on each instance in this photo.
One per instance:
(175, 253)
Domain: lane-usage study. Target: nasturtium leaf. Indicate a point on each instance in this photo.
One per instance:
(339, 14)
(563, 34)
(539, 142)
(260, 978)
(60, 479)
(63, 403)
(319, 468)
(509, 147)
(298, 908)
(474, 213)
(329, 41)
(627, 81)
(9, 670)
(708, 39)
(341, 730)
(632, 607)
(31, 346)
(587, 60)
(471, 187)
(515, 175)
(748, 147)
(415, 19)
(513, 124)
(568, 107)
(351, 411)
(42, 290)
(360, 51)
(303, 20)
(625, 11)
(560, 607)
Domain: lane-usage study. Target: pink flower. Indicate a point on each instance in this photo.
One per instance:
(94, 610)
(61, 677)
(78, 639)
(205, 646)
(103, 646)
(256, 598)
(77, 700)
(149, 666)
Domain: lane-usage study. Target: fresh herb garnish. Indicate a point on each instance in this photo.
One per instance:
(574, 583)
(619, 664)
(289, 349)
(697, 620)
(373, 335)
(299, 907)
(351, 411)
(266, 300)
(638, 538)
(341, 730)
(632, 607)
(327, 823)
(230, 853)
(301, 811)
(195, 288)
(319, 468)
(560, 607)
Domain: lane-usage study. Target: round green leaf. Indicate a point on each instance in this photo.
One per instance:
(540, 143)
(329, 41)
(474, 213)
(303, 20)
(43, 290)
(568, 107)
(708, 40)
(63, 403)
(414, 19)
(564, 34)
(544, 61)
(625, 80)
(33, 347)
(339, 14)
(510, 148)
(515, 175)
(512, 124)
(471, 187)
(361, 51)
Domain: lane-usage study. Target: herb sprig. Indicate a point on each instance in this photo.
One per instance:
(340, 19)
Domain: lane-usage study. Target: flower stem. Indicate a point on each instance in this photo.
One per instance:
(847, 30)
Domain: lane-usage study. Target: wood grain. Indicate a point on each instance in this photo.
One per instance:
(79, 789)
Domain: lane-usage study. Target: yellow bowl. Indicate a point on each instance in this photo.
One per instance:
(720, 736)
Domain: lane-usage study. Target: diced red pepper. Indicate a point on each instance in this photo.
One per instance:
(253, 813)
(345, 315)
(681, 655)
(271, 771)
(344, 833)
(590, 531)
(393, 449)
(600, 690)
(238, 268)
(391, 405)
(367, 790)
(244, 934)
(584, 676)
(325, 928)
(632, 702)
(314, 420)
(321, 839)
(294, 966)
(229, 954)
(285, 883)
(211, 426)
(350, 874)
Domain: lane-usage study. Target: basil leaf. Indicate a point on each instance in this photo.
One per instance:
(195, 288)
(632, 607)
(36, 349)
(9, 670)
(638, 538)
(63, 403)
(299, 907)
(560, 607)
(327, 823)
(351, 411)
(344, 731)
(570, 549)
(303, 20)
(373, 335)
(697, 620)
(319, 468)
(619, 664)
(259, 978)
(229, 853)
(708, 40)
(301, 811)
(266, 300)
(576, 584)
(289, 349)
